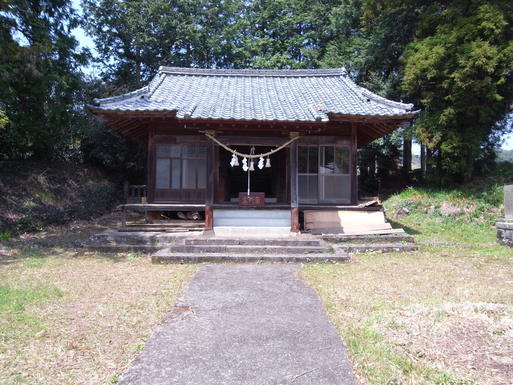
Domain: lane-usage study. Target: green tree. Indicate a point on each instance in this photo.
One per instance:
(371, 49)
(460, 69)
(134, 37)
(283, 33)
(3, 119)
(40, 78)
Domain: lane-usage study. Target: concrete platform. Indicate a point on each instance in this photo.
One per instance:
(215, 249)
(248, 245)
(370, 247)
(143, 241)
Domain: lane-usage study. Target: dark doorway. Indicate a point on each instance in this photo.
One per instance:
(269, 180)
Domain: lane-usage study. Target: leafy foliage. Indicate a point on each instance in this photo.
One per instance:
(3, 119)
(453, 59)
(41, 79)
(460, 69)
(133, 38)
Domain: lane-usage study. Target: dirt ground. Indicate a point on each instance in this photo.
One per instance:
(75, 317)
(474, 339)
(440, 315)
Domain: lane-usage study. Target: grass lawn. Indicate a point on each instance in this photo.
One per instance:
(71, 317)
(441, 315)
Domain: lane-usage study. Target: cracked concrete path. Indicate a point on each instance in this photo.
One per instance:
(245, 324)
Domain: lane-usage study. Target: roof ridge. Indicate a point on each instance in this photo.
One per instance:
(311, 72)
(366, 94)
(117, 98)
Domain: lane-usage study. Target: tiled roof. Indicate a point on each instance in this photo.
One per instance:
(266, 95)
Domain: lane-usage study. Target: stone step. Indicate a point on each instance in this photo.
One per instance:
(121, 248)
(389, 238)
(384, 247)
(167, 256)
(201, 241)
(113, 239)
(249, 249)
(126, 241)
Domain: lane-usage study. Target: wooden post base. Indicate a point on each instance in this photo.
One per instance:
(294, 226)
(209, 218)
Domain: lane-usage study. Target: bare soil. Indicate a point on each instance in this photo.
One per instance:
(440, 315)
(473, 339)
(108, 306)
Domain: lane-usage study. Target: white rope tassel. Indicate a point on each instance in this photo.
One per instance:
(235, 161)
(250, 156)
(268, 163)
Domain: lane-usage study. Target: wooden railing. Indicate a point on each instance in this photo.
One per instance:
(135, 193)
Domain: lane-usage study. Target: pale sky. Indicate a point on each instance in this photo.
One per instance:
(508, 142)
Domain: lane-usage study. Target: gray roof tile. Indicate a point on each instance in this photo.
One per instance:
(270, 95)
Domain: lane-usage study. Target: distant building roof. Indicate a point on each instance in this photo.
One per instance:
(260, 95)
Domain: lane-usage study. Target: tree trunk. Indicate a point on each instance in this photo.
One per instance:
(423, 165)
(406, 156)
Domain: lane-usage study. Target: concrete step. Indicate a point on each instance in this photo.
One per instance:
(248, 249)
(167, 256)
(252, 213)
(383, 247)
(388, 238)
(254, 222)
(253, 218)
(253, 232)
(298, 241)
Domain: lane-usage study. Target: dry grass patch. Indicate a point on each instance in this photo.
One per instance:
(95, 315)
(474, 340)
(437, 316)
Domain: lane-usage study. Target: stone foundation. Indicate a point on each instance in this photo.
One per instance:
(505, 225)
(505, 231)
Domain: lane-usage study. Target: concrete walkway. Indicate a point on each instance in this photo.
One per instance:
(244, 325)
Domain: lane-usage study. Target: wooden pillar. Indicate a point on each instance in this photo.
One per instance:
(209, 196)
(354, 164)
(294, 198)
(209, 218)
(150, 166)
(123, 217)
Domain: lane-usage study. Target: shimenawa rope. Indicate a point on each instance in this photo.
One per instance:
(250, 156)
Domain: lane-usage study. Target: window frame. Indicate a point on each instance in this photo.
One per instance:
(321, 177)
(180, 194)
